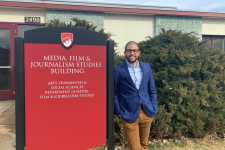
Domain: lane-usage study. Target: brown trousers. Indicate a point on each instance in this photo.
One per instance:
(137, 133)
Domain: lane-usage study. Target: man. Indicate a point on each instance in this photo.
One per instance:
(135, 98)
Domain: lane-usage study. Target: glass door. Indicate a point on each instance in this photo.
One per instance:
(7, 70)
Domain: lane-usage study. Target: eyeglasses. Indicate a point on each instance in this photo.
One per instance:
(130, 50)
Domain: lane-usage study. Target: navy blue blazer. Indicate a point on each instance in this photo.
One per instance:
(128, 99)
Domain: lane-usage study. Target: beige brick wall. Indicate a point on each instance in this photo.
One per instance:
(213, 26)
(18, 14)
(128, 27)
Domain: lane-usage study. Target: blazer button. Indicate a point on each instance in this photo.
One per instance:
(138, 91)
(139, 102)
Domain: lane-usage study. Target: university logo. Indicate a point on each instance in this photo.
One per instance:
(67, 39)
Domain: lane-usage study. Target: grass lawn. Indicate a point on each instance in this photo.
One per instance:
(190, 144)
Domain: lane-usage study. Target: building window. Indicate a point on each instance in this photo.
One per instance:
(23, 28)
(214, 41)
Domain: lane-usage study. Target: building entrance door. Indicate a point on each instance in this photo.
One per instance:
(7, 71)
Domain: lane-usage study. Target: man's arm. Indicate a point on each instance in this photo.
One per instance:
(116, 93)
(151, 87)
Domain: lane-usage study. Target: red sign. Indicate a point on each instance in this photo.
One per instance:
(65, 96)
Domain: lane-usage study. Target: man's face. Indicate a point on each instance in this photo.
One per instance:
(131, 56)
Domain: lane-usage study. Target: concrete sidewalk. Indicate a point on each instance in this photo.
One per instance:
(7, 125)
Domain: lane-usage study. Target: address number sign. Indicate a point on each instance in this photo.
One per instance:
(32, 19)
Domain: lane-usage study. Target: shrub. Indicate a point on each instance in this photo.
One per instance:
(190, 79)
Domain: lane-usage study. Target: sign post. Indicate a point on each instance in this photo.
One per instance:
(61, 89)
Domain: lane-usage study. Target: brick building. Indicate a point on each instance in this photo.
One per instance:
(125, 22)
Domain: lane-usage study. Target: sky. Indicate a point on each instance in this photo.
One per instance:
(211, 5)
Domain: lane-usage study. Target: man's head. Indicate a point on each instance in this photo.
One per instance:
(131, 52)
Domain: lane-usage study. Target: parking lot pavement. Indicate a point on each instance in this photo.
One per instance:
(7, 125)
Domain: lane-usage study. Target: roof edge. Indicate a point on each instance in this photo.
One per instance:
(107, 7)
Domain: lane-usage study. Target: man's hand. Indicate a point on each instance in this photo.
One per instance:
(120, 115)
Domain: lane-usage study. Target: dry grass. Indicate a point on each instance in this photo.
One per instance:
(191, 144)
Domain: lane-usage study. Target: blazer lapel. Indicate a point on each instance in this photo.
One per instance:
(127, 74)
(144, 69)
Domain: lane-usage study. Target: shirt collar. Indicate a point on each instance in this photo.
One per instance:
(131, 66)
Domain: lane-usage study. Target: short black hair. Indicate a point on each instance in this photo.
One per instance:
(131, 43)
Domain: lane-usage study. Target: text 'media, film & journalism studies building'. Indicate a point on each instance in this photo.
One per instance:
(125, 22)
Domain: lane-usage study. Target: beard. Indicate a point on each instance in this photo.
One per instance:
(132, 61)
